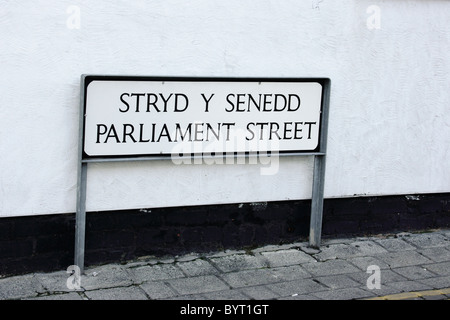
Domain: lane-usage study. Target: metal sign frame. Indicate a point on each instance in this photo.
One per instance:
(319, 153)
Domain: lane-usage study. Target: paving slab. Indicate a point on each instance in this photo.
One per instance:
(157, 290)
(237, 262)
(440, 268)
(364, 262)
(386, 277)
(247, 278)
(300, 297)
(286, 257)
(436, 297)
(61, 296)
(302, 286)
(437, 282)
(428, 240)
(55, 282)
(382, 291)
(408, 286)
(402, 258)
(330, 267)
(260, 293)
(415, 272)
(196, 285)
(344, 294)
(338, 281)
(118, 293)
(436, 254)
(188, 297)
(198, 267)
(19, 287)
(353, 249)
(226, 295)
(107, 276)
(155, 272)
(395, 244)
(290, 273)
(309, 250)
(367, 247)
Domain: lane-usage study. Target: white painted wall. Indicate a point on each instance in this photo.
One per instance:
(389, 127)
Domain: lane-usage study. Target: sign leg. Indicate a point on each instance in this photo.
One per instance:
(80, 223)
(315, 230)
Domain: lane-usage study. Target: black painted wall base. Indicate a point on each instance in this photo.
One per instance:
(46, 242)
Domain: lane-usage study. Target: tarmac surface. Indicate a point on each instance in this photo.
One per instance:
(413, 266)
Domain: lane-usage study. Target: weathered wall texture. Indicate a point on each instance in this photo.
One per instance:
(389, 120)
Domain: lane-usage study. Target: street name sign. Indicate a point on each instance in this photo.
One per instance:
(142, 116)
(136, 118)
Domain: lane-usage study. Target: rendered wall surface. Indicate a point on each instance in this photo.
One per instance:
(389, 125)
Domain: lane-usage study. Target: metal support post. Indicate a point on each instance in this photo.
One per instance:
(80, 224)
(80, 218)
(315, 230)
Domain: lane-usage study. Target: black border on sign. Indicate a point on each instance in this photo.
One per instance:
(324, 82)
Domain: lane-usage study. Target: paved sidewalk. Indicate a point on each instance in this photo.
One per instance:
(411, 266)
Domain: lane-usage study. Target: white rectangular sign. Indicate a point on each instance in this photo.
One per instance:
(136, 116)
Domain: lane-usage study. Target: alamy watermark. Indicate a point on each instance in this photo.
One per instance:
(374, 280)
(74, 280)
(374, 19)
(235, 149)
(74, 17)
